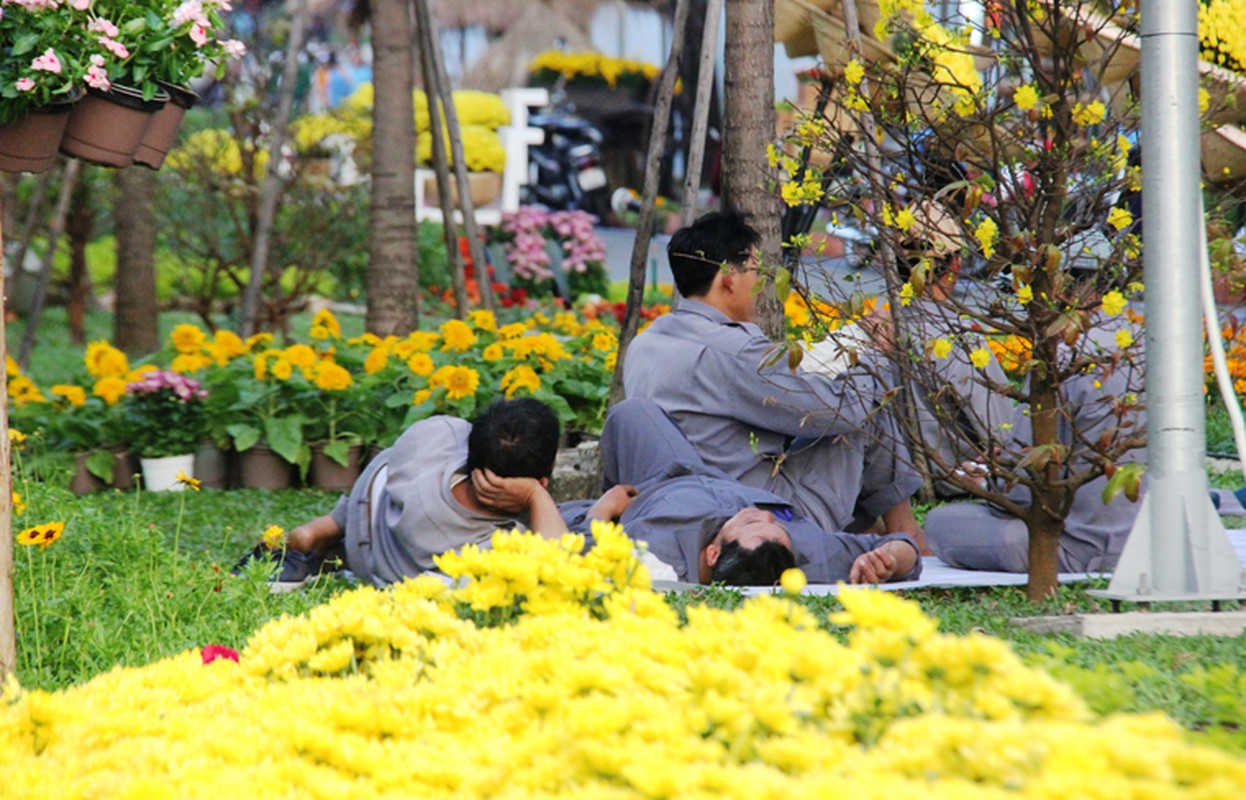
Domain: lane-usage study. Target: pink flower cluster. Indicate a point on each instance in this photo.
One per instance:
(529, 230)
(580, 243)
(186, 389)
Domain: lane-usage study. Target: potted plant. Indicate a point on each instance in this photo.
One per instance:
(91, 428)
(42, 61)
(165, 422)
(338, 424)
(267, 431)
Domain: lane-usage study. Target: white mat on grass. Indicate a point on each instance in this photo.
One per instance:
(936, 574)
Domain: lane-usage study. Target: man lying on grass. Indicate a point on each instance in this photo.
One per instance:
(711, 529)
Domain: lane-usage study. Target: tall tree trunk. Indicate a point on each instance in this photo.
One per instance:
(135, 328)
(748, 184)
(392, 282)
(79, 226)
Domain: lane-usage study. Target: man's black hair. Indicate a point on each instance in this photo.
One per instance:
(514, 438)
(697, 253)
(761, 566)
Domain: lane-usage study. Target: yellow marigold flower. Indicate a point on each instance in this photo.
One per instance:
(1124, 338)
(483, 319)
(423, 340)
(985, 233)
(332, 377)
(1120, 218)
(42, 535)
(186, 363)
(283, 370)
(457, 336)
(605, 342)
(980, 357)
(229, 343)
(325, 325)
(421, 364)
(793, 581)
(19, 506)
(1025, 294)
(520, 378)
(76, 395)
(1026, 97)
(103, 360)
(272, 536)
(187, 338)
(854, 72)
(421, 396)
(23, 390)
(301, 356)
(492, 352)
(16, 437)
(1089, 114)
(187, 481)
(376, 360)
(459, 382)
(512, 331)
(1114, 303)
(941, 348)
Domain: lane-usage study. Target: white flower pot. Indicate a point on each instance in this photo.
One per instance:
(160, 474)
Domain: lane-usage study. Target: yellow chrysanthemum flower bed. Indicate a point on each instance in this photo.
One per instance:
(583, 683)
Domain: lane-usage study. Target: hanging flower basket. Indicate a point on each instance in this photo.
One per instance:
(162, 131)
(106, 128)
(30, 142)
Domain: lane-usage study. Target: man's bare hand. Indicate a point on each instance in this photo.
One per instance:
(510, 495)
(883, 563)
(613, 503)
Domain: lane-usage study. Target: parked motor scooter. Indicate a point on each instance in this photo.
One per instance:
(565, 171)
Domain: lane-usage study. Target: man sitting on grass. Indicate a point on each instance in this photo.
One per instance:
(710, 528)
(445, 483)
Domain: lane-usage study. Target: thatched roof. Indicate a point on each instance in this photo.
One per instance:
(505, 63)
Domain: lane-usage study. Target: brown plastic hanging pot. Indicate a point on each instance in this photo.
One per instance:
(162, 132)
(106, 128)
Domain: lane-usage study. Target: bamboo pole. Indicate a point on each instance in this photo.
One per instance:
(450, 229)
(269, 194)
(644, 230)
(8, 629)
(468, 206)
(701, 111)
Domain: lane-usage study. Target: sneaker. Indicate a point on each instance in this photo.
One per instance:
(296, 566)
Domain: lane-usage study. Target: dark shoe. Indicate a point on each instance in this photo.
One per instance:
(295, 566)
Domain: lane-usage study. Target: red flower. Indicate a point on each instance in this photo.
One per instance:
(212, 652)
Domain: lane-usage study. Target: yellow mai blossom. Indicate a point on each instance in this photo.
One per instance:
(806, 191)
(905, 219)
(103, 360)
(941, 348)
(325, 325)
(1114, 303)
(520, 378)
(186, 363)
(187, 338)
(483, 319)
(492, 352)
(1089, 114)
(854, 72)
(42, 535)
(457, 336)
(1120, 218)
(985, 233)
(1026, 97)
(980, 357)
(796, 310)
(111, 389)
(1025, 294)
(332, 377)
(76, 395)
(1124, 338)
(459, 382)
(906, 294)
(421, 364)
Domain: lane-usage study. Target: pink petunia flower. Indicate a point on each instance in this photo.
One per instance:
(198, 34)
(105, 27)
(190, 10)
(24, 84)
(48, 62)
(80, 5)
(115, 47)
(97, 78)
(234, 48)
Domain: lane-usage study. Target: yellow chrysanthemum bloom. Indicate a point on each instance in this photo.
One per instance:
(187, 338)
(283, 370)
(793, 581)
(483, 319)
(16, 437)
(186, 363)
(512, 331)
(457, 336)
(272, 536)
(520, 378)
(76, 395)
(258, 340)
(332, 377)
(325, 325)
(421, 396)
(110, 389)
(227, 345)
(605, 342)
(376, 360)
(303, 357)
(459, 382)
(492, 352)
(103, 360)
(424, 341)
(421, 364)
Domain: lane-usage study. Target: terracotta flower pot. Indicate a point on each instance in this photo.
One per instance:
(328, 474)
(160, 134)
(259, 467)
(126, 467)
(83, 482)
(30, 143)
(106, 128)
(211, 466)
